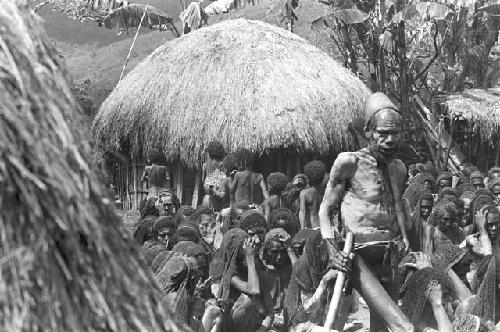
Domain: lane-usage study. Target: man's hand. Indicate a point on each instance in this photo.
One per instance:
(337, 259)
(481, 218)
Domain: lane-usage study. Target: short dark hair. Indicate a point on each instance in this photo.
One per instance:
(245, 157)
(215, 150)
(315, 172)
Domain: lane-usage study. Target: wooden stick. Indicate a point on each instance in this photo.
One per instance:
(339, 285)
(133, 42)
(196, 190)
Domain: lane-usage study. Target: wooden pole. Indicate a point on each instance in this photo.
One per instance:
(298, 167)
(194, 203)
(497, 153)
(180, 180)
(280, 161)
(289, 165)
(134, 170)
(450, 143)
(339, 285)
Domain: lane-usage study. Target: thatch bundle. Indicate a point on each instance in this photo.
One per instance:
(244, 83)
(480, 107)
(64, 263)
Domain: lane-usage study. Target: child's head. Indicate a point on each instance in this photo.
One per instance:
(229, 164)
(276, 183)
(315, 172)
(245, 158)
(215, 150)
(154, 156)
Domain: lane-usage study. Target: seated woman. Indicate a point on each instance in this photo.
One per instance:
(178, 279)
(276, 184)
(234, 269)
(427, 300)
(187, 231)
(299, 240)
(306, 299)
(284, 218)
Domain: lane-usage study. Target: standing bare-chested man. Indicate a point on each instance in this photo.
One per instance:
(366, 186)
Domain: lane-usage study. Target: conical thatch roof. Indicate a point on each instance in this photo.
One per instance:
(479, 106)
(244, 83)
(64, 263)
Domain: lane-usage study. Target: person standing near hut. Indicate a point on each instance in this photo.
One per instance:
(366, 185)
(213, 177)
(310, 198)
(245, 180)
(156, 175)
(276, 182)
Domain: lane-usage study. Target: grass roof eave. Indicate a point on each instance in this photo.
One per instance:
(480, 107)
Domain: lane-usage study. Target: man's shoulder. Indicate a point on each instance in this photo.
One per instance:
(347, 158)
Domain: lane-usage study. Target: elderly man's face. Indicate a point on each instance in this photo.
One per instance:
(387, 133)
(167, 206)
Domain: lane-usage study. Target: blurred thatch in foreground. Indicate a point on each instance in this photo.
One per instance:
(64, 263)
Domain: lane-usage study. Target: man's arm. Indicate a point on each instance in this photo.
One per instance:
(397, 176)
(234, 183)
(262, 185)
(302, 209)
(267, 210)
(343, 169)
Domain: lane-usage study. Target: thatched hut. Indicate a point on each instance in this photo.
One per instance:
(244, 83)
(65, 265)
(476, 115)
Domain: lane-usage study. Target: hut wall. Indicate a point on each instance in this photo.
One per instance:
(127, 180)
(127, 176)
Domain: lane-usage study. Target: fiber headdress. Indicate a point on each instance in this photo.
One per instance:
(466, 323)
(189, 248)
(251, 219)
(160, 260)
(228, 258)
(292, 223)
(303, 235)
(446, 256)
(306, 276)
(484, 305)
(174, 279)
(277, 234)
(164, 222)
(415, 295)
